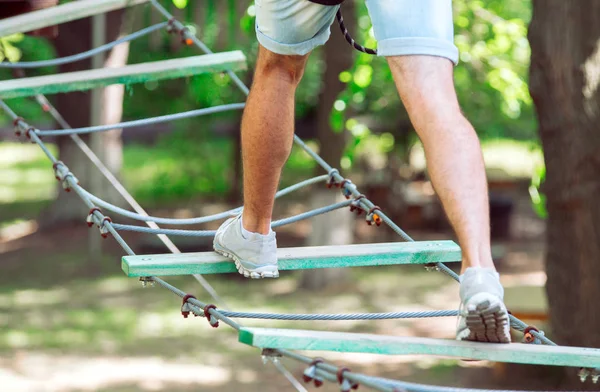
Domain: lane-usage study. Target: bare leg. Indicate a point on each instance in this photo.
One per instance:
(452, 149)
(267, 134)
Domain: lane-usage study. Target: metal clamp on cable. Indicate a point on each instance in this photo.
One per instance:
(345, 384)
(373, 216)
(355, 205)
(212, 320)
(17, 124)
(185, 306)
(62, 174)
(332, 180)
(346, 191)
(310, 374)
(104, 231)
(90, 220)
(529, 335)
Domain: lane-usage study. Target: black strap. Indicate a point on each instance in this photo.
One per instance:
(327, 2)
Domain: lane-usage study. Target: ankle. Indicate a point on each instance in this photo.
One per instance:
(256, 226)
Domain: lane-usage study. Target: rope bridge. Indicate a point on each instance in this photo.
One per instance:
(275, 343)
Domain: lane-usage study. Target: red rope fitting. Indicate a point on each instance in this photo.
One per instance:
(344, 382)
(46, 107)
(90, 217)
(30, 129)
(347, 194)
(103, 230)
(16, 122)
(373, 217)
(211, 319)
(185, 312)
(55, 167)
(355, 205)
(528, 337)
(171, 25)
(184, 40)
(311, 372)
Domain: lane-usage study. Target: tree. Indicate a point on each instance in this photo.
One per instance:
(75, 37)
(565, 87)
(334, 228)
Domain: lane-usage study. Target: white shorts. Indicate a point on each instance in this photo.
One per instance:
(402, 27)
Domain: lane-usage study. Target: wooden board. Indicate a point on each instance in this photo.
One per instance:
(130, 74)
(298, 258)
(61, 14)
(396, 345)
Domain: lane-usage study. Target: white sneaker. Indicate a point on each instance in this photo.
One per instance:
(255, 255)
(482, 316)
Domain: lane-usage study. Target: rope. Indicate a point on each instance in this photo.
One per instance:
(342, 317)
(349, 38)
(211, 233)
(199, 220)
(142, 122)
(83, 55)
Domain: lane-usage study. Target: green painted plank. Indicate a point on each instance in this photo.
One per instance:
(396, 345)
(61, 14)
(130, 74)
(344, 256)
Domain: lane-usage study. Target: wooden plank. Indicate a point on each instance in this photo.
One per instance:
(61, 14)
(130, 74)
(363, 255)
(396, 345)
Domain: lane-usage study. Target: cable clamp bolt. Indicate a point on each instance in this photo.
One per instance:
(355, 205)
(345, 190)
(345, 384)
(106, 221)
(186, 308)
(310, 373)
(91, 218)
(17, 124)
(529, 337)
(269, 354)
(146, 280)
(583, 374)
(170, 25)
(332, 181)
(212, 320)
(373, 216)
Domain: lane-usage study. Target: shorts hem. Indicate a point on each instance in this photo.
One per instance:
(418, 46)
(299, 49)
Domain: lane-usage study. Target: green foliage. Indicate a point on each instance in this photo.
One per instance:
(538, 199)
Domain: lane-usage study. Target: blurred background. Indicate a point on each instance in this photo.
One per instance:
(70, 320)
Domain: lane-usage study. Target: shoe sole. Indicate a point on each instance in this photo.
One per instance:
(248, 273)
(487, 320)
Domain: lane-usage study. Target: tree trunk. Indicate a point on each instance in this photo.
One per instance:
(75, 37)
(335, 228)
(565, 79)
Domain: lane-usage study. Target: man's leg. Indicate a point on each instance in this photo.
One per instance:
(268, 133)
(452, 149)
(456, 167)
(287, 30)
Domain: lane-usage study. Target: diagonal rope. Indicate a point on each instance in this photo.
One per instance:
(145, 121)
(199, 220)
(83, 55)
(210, 233)
(112, 179)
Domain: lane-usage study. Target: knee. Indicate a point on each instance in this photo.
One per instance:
(285, 67)
(426, 87)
